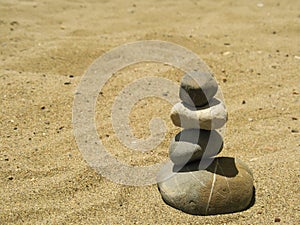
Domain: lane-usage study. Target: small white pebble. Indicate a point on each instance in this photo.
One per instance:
(226, 53)
(260, 5)
(297, 57)
(250, 119)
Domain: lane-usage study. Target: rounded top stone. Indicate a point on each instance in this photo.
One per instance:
(197, 88)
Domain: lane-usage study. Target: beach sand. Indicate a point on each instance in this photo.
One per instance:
(253, 48)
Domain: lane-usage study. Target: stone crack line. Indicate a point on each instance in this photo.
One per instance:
(212, 188)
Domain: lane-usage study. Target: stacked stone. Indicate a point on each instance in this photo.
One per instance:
(201, 183)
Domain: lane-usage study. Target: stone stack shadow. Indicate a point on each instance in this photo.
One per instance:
(198, 182)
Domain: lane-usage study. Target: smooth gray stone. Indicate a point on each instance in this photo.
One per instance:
(193, 144)
(209, 117)
(226, 186)
(197, 88)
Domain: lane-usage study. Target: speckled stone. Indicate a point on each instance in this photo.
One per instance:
(209, 117)
(193, 144)
(226, 186)
(197, 88)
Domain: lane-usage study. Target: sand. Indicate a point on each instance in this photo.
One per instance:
(46, 47)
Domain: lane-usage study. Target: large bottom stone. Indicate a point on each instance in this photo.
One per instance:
(225, 186)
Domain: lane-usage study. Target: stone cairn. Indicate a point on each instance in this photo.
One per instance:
(199, 182)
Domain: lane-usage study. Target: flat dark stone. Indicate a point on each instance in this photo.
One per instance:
(193, 144)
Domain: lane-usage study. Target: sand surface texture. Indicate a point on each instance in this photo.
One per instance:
(252, 47)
